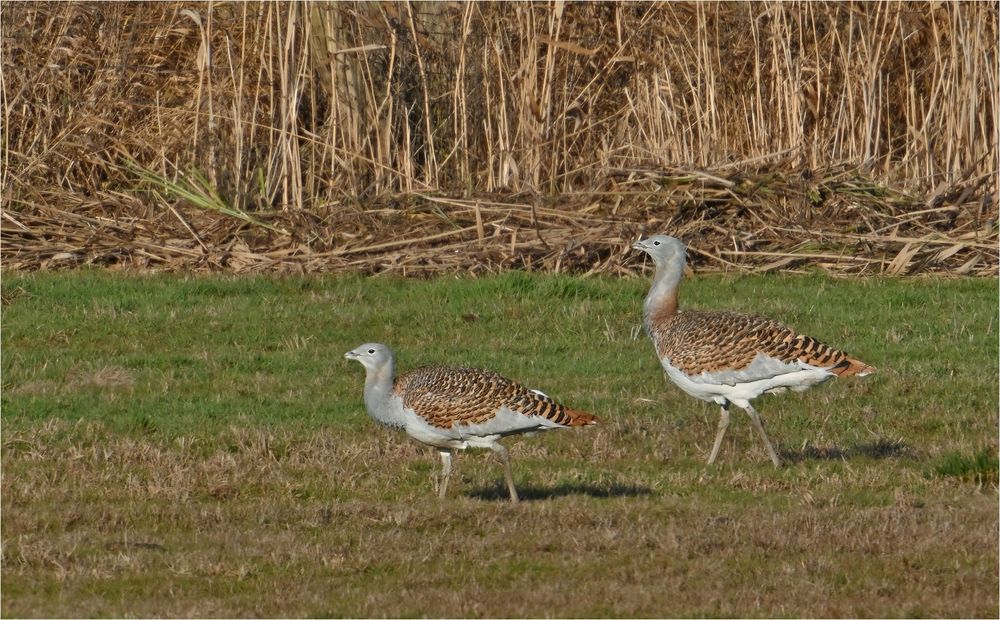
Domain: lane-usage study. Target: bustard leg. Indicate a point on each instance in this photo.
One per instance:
(445, 472)
(755, 417)
(723, 425)
(505, 457)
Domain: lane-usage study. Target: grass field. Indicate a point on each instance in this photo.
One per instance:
(197, 446)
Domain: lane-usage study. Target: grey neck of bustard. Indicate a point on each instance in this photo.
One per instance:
(661, 302)
(378, 393)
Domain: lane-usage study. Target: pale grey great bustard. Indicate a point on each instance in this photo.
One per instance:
(457, 408)
(726, 357)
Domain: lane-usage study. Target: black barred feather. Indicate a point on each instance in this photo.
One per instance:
(444, 396)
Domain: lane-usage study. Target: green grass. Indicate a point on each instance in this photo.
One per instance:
(981, 468)
(178, 446)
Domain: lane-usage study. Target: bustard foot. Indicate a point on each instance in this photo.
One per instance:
(508, 476)
(723, 425)
(759, 424)
(445, 477)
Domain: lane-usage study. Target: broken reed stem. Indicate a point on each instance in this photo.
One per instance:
(441, 234)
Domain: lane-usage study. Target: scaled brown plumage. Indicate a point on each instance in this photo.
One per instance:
(696, 342)
(445, 396)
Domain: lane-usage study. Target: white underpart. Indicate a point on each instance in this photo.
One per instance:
(764, 375)
(481, 435)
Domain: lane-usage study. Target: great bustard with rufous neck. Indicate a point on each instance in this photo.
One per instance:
(727, 357)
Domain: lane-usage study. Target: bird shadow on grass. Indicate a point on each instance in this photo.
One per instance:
(529, 493)
(878, 449)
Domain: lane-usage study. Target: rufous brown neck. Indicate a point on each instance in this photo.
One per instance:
(661, 302)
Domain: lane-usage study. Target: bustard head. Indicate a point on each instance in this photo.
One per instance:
(372, 355)
(665, 250)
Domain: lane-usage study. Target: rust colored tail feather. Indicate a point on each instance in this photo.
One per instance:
(580, 418)
(851, 366)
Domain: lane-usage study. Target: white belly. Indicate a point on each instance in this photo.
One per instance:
(763, 375)
(481, 435)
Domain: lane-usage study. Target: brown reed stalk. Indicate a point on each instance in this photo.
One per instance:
(304, 108)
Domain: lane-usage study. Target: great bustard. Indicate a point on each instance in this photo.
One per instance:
(457, 408)
(726, 357)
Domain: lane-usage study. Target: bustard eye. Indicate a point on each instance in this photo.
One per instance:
(656, 243)
(371, 351)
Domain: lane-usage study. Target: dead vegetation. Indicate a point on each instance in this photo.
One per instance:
(255, 522)
(444, 137)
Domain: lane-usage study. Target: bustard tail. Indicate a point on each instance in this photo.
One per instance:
(850, 366)
(579, 418)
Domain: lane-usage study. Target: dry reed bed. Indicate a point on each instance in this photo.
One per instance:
(754, 222)
(360, 131)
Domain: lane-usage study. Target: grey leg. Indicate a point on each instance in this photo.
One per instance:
(755, 417)
(445, 472)
(723, 425)
(505, 457)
